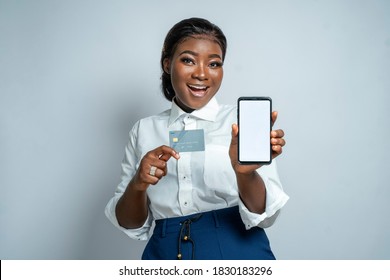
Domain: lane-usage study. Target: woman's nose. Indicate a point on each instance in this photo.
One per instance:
(200, 72)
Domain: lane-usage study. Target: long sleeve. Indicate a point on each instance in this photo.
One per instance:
(276, 198)
(129, 167)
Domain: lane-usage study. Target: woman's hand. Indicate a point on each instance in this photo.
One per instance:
(276, 139)
(153, 167)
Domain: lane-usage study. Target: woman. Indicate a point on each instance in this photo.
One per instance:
(204, 203)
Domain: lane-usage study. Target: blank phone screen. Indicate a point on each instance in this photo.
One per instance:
(254, 127)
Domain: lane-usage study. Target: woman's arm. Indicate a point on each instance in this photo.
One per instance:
(250, 184)
(132, 209)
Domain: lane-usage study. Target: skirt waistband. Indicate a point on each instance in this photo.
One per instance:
(214, 218)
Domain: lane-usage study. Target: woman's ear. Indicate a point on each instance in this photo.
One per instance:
(167, 65)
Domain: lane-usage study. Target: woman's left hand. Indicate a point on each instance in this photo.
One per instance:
(276, 139)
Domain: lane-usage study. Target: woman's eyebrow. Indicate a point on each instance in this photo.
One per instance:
(196, 54)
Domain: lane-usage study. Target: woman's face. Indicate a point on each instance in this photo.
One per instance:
(196, 70)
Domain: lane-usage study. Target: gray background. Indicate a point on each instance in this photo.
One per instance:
(76, 75)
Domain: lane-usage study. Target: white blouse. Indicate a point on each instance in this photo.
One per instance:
(198, 181)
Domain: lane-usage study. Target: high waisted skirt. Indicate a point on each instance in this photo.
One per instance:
(214, 235)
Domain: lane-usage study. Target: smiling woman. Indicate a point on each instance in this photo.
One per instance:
(204, 203)
(196, 72)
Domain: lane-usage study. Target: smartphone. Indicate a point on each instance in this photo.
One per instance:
(254, 130)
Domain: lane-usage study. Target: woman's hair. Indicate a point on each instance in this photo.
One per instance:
(192, 27)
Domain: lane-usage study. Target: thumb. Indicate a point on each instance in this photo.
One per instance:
(234, 134)
(274, 116)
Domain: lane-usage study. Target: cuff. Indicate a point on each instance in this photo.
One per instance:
(275, 200)
(141, 233)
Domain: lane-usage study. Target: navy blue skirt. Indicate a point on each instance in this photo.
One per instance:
(214, 235)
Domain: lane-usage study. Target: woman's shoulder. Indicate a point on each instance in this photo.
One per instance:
(161, 116)
(152, 120)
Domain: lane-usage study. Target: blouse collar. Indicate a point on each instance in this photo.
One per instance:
(208, 112)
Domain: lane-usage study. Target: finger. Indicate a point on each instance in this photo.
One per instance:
(279, 133)
(165, 157)
(165, 153)
(160, 164)
(234, 134)
(234, 130)
(278, 141)
(277, 150)
(274, 116)
(158, 173)
(153, 180)
(144, 177)
(153, 175)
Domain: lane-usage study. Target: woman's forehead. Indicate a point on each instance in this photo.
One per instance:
(203, 43)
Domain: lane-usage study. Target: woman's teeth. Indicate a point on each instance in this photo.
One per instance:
(198, 91)
(197, 87)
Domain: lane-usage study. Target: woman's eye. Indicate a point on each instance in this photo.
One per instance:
(187, 60)
(216, 64)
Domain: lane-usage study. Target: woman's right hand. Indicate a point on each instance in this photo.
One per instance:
(153, 167)
(132, 209)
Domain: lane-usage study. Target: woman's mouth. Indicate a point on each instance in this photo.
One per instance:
(198, 90)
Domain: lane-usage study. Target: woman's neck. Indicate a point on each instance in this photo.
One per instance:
(182, 106)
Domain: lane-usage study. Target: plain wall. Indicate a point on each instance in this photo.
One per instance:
(76, 75)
